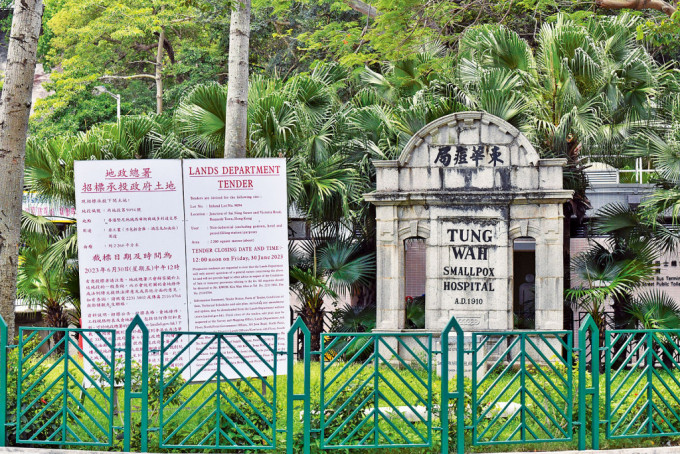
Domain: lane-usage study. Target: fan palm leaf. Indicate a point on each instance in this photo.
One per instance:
(655, 309)
(200, 118)
(497, 47)
(346, 268)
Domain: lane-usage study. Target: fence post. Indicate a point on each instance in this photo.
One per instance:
(3, 382)
(291, 397)
(143, 394)
(589, 325)
(459, 395)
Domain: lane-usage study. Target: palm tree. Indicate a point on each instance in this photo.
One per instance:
(654, 310)
(585, 90)
(323, 270)
(301, 119)
(609, 273)
(200, 118)
(401, 79)
(657, 310)
(621, 264)
(604, 274)
(662, 143)
(43, 283)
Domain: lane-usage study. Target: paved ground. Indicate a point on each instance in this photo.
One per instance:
(671, 450)
(655, 450)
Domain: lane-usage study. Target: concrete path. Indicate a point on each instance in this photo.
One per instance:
(654, 450)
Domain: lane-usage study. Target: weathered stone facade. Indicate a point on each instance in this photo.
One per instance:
(470, 184)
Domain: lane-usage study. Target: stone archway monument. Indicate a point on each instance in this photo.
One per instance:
(473, 188)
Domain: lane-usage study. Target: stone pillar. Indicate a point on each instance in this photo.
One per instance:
(389, 270)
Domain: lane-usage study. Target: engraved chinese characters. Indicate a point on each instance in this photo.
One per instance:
(476, 155)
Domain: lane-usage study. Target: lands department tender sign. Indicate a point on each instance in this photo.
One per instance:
(195, 245)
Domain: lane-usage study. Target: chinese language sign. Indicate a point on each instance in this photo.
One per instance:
(475, 155)
(194, 245)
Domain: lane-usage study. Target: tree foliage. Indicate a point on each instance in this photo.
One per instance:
(85, 40)
(356, 32)
(95, 42)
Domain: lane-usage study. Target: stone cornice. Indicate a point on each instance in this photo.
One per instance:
(469, 197)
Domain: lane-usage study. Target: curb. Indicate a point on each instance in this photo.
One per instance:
(654, 450)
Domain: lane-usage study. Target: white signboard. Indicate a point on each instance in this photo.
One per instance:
(196, 245)
(237, 254)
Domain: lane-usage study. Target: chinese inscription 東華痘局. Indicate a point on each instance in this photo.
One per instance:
(463, 155)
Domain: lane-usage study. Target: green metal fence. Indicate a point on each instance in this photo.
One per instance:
(69, 387)
(376, 390)
(53, 414)
(226, 409)
(522, 387)
(642, 383)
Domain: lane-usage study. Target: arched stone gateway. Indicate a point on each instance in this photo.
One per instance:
(471, 184)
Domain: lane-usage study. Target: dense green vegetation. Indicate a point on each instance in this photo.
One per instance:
(85, 43)
(577, 86)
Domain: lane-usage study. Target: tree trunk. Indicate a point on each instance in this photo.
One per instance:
(159, 72)
(363, 8)
(659, 5)
(235, 129)
(366, 294)
(314, 319)
(55, 317)
(15, 106)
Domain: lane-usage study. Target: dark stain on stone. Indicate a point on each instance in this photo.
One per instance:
(505, 178)
(484, 222)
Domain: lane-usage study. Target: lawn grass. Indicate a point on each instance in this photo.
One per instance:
(195, 403)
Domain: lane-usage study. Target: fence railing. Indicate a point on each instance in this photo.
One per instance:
(53, 414)
(69, 387)
(642, 173)
(522, 386)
